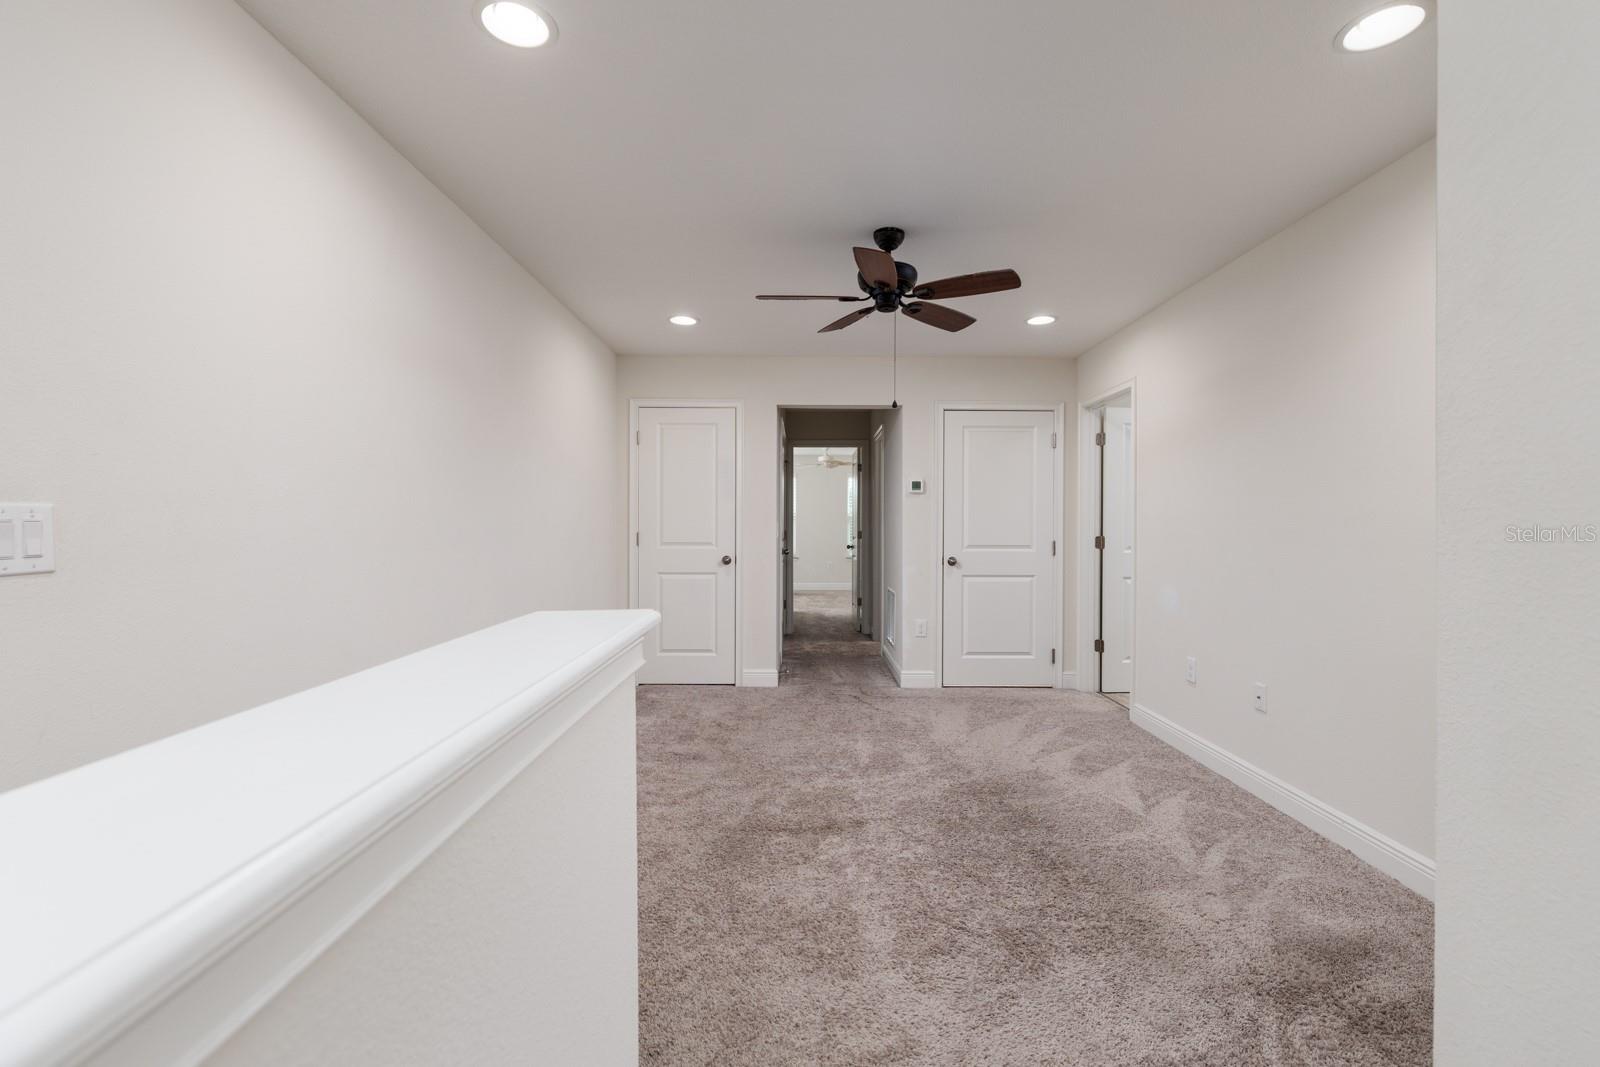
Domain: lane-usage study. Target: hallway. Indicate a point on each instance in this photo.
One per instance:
(826, 648)
(841, 871)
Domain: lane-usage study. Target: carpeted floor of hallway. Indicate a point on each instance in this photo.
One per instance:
(838, 871)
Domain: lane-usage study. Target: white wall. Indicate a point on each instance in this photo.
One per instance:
(891, 632)
(297, 414)
(766, 384)
(1285, 487)
(1518, 938)
(514, 943)
(820, 526)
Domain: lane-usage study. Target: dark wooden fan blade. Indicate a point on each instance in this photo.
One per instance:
(853, 317)
(987, 281)
(877, 267)
(841, 299)
(940, 316)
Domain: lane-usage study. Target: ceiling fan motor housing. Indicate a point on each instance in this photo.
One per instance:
(889, 299)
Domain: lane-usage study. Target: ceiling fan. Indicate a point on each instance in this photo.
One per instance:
(892, 286)
(828, 461)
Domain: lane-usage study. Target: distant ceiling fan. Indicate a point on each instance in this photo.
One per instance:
(828, 461)
(888, 284)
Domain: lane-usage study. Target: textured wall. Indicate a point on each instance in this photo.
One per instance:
(1519, 446)
(1284, 496)
(297, 414)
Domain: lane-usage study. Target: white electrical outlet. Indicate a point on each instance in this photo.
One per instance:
(1191, 673)
(921, 628)
(1261, 697)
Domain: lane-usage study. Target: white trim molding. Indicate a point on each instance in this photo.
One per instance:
(918, 680)
(886, 649)
(1088, 519)
(759, 678)
(1405, 865)
(157, 899)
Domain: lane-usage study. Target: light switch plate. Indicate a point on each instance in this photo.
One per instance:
(21, 553)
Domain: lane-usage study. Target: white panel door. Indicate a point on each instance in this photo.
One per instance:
(686, 543)
(1000, 592)
(1116, 662)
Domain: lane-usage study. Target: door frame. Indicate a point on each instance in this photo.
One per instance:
(862, 483)
(1088, 583)
(634, 405)
(1057, 413)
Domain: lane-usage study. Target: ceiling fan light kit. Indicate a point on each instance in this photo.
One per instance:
(892, 286)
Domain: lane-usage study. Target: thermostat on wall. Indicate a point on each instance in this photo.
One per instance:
(916, 485)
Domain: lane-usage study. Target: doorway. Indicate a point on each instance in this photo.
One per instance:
(1109, 466)
(828, 546)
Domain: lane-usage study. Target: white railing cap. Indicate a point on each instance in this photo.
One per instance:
(115, 876)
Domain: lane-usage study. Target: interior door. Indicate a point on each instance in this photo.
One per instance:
(786, 545)
(855, 546)
(1000, 592)
(687, 485)
(1116, 627)
(864, 535)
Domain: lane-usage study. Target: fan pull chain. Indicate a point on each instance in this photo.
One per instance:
(894, 366)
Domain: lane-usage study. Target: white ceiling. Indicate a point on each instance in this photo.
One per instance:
(668, 157)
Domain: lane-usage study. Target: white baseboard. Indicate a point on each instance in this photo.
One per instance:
(1069, 680)
(887, 651)
(1406, 866)
(822, 587)
(759, 679)
(904, 678)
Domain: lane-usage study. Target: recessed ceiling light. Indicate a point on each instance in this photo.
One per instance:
(1378, 28)
(1041, 320)
(516, 23)
(683, 320)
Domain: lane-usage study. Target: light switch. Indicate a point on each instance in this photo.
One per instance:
(27, 539)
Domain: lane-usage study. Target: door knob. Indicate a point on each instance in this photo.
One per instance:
(951, 561)
(726, 560)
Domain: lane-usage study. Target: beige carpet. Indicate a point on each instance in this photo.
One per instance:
(842, 872)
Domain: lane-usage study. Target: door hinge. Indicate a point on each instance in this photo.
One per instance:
(1100, 438)
(1100, 543)
(1052, 655)
(1052, 548)
(858, 602)
(636, 437)
(636, 538)
(1099, 645)
(1052, 440)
